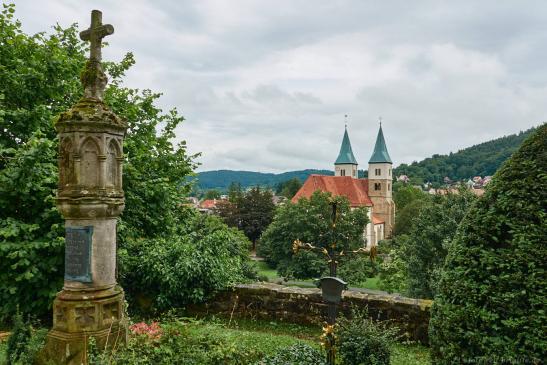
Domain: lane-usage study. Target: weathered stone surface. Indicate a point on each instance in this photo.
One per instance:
(79, 315)
(90, 197)
(306, 306)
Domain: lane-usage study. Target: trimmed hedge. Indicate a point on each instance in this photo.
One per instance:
(491, 301)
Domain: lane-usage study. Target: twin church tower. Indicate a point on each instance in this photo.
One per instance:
(374, 193)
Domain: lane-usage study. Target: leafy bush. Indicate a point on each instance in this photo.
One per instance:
(310, 221)
(490, 305)
(421, 252)
(364, 341)
(24, 342)
(299, 354)
(171, 272)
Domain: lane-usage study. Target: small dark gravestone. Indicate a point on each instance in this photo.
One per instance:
(331, 288)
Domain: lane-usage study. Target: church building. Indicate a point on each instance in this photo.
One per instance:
(374, 193)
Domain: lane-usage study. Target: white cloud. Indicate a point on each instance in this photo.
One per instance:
(264, 85)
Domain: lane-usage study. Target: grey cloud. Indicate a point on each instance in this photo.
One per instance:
(264, 85)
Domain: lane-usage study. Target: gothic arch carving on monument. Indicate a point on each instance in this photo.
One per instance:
(89, 153)
(66, 163)
(112, 165)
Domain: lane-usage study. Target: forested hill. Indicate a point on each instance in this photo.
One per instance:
(221, 179)
(479, 160)
(482, 159)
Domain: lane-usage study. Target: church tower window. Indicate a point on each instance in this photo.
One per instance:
(343, 172)
(378, 172)
(377, 186)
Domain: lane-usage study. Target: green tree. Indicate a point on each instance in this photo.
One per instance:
(39, 78)
(212, 194)
(421, 252)
(490, 306)
(288, 188)
(430, 238)
(310, 221)
(407, 194)
(405, 217)
(256, 210)
(482, 159)
(235, 192)
(251, 211)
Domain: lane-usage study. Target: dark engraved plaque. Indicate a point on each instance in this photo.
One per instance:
(78, 253)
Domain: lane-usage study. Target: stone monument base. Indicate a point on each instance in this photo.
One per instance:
(79, 315)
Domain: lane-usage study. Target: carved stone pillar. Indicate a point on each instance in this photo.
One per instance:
(91, 303)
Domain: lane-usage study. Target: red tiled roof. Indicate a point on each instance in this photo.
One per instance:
(208, 203)
(376, 220)
(356, 190)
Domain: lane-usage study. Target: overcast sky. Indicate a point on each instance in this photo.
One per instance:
(264, 85)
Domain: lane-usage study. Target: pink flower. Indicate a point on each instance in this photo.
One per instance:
(153, 331)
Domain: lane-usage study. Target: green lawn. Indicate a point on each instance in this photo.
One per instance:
(371, 283)
(265, 270)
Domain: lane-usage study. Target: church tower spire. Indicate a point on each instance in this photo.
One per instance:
(380, 154)
(380, 181)
(345, 164)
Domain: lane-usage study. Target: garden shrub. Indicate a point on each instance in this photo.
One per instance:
(24, 343)
(364, 341)
(491, 301)
(299, 354)
(189, 268)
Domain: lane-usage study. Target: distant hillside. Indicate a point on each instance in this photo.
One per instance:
(221, 179)
(479, 160)
(482, 159)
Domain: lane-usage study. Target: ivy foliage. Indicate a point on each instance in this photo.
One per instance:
(309, 220)
(491, 302)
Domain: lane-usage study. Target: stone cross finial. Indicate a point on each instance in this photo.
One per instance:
(96, 32)
(93, 77)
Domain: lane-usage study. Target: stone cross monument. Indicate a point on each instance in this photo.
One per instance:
(90, 198)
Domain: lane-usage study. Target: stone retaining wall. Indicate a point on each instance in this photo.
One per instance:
(298, 305)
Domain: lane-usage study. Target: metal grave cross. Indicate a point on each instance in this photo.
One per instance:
(96, 32)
